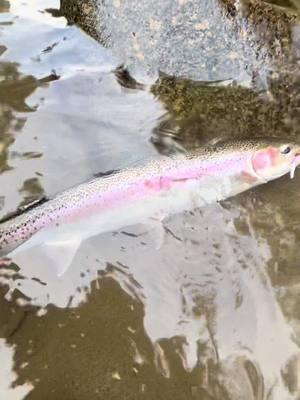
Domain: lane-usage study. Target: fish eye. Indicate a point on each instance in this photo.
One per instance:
(285, 149)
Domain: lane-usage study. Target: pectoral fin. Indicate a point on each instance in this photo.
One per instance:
(61, 253)
(55, 255)
(157, 231)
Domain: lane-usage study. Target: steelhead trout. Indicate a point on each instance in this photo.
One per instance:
(151, 191)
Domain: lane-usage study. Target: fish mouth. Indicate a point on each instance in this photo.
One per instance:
(295, 163)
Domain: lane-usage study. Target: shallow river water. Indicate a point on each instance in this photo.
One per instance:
(214, 313)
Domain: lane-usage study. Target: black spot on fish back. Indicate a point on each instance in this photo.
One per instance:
(22, 209)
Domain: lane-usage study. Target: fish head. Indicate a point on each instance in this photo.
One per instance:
(276, 159)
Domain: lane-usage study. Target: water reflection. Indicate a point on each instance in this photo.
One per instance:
(207, 297)
(15, 88)
(4, 6)
(57, 93)
(8, 389)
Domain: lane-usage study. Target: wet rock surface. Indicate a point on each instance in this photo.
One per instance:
(201, 40)
(232, 65)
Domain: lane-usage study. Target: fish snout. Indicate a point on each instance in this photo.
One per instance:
(295, 162)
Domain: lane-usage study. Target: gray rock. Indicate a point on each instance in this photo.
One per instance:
(200, 40)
